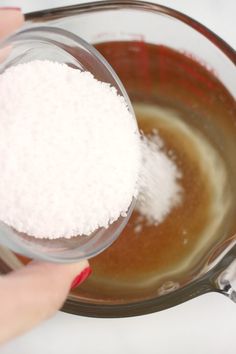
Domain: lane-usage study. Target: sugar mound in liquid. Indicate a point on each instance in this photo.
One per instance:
(159, 187)
(69, 151)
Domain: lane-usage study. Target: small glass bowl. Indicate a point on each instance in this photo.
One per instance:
(62, 46)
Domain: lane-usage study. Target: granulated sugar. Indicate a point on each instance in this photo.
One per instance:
(69, 151)
(160, 190)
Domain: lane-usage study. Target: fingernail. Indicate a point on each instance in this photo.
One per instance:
(10, 8)
(81, 277)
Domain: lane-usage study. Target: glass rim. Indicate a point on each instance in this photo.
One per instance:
(54, 13)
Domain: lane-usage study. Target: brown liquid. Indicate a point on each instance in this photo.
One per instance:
(161, 258)
(171, 92)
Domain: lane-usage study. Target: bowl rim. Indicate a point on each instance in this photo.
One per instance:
(95, 6)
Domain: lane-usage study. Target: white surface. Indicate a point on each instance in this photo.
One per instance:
(204, 325)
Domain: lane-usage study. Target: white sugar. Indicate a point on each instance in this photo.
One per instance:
(160, 190)
(69, 151)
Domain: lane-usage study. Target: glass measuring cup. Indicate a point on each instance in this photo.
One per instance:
(148, 23)
(62, 46)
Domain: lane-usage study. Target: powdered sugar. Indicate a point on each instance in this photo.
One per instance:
(160, 190)
(69, 151)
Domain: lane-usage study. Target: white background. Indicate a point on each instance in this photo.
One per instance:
(203, 325)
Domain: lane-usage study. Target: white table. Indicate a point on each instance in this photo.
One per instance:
(203, 325)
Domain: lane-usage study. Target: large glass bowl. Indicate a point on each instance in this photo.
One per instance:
(112, 21)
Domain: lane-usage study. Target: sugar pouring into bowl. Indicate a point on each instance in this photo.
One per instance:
(186, 113)
(70, 153)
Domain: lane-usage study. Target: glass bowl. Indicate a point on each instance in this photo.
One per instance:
(59, 45)
(146, 72)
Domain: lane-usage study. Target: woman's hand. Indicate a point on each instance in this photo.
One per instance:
(33, 293)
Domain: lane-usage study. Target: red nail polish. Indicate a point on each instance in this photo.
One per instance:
(10, 8)
(81, 277)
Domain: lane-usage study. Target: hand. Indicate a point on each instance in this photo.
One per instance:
(33, 293)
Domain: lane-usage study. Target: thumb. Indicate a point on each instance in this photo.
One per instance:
(33, 293)
(11, 19)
